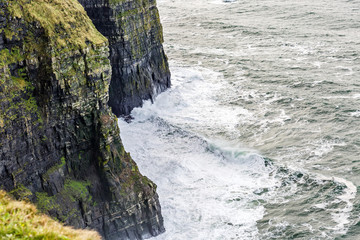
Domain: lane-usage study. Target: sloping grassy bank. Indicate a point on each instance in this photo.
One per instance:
(21, 220)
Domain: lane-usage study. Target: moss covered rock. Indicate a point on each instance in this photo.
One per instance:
(59, 141)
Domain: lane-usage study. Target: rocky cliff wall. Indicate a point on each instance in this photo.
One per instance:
(59, 142)
(139, 65)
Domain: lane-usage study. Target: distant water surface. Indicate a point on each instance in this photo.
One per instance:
(259, 136)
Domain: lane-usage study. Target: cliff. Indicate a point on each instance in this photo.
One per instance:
(59, 141)
(139, 65)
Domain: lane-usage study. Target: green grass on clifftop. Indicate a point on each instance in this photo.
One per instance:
(65, 21)
(21, 220)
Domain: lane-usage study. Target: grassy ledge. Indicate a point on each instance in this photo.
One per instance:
(65, 21)
(21, 220)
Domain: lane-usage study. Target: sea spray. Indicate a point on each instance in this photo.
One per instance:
(213, 187)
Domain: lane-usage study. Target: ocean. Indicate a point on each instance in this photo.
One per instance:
(258, 137)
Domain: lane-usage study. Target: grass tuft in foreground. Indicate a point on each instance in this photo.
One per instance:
(21, 220)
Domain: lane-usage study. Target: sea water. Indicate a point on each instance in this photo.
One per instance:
(258, 137)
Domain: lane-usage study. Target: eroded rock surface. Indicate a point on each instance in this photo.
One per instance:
(139, 64)
(59, 141)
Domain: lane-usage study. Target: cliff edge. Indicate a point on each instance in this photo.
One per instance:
(140, 68)
(59, 141)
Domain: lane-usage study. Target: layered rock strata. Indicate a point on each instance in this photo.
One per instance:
(59, 141)
(139, 65)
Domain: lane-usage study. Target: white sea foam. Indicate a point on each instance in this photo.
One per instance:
(323, 147)
(355, 114)
(206, 187)
(200, 185)
(341, 216)
(275, 84)
(203, 179)
(193, 103)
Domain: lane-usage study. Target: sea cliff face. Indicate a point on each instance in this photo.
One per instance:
(139, 65)
(59, 141)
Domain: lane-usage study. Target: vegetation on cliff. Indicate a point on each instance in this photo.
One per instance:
(38, 29)
(60, 145)
(21, 220)
(64, 21)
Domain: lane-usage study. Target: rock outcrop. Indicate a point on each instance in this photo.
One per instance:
(59, 141)
(139, 65)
